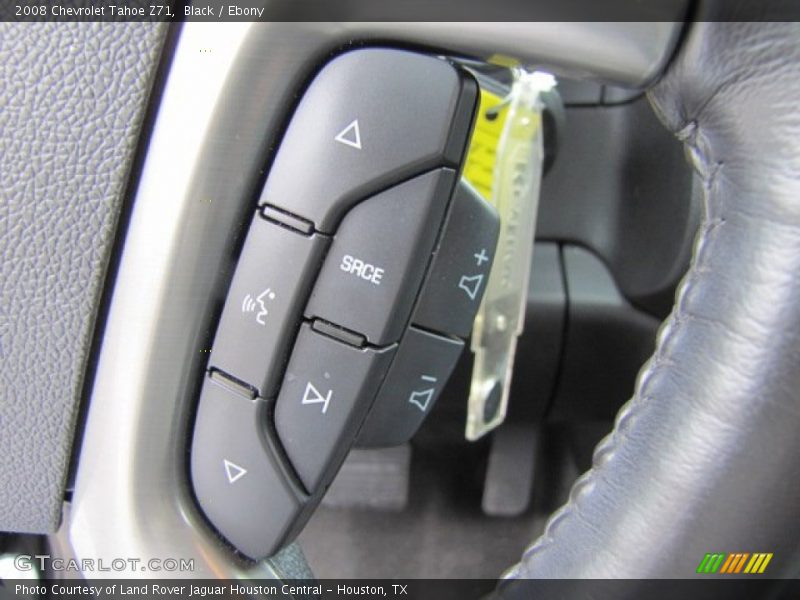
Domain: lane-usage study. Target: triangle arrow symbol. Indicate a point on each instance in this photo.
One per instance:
(350, 135)
(233, 471)
(313, 396)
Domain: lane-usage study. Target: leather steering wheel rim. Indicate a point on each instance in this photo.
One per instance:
(703, 458)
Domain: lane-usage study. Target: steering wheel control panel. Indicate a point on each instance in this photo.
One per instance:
(358, 281)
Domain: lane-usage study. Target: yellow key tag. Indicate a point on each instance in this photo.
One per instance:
(514, 185)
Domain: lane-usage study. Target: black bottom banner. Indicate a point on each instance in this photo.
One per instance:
(410, 589)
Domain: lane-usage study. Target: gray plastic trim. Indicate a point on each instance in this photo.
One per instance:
(627, 54)
(222, 109)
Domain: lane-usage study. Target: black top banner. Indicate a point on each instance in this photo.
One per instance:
(382, 10)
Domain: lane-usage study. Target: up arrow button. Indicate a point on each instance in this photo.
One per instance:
(371, 119)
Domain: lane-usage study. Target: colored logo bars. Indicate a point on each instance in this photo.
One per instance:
(731, 564)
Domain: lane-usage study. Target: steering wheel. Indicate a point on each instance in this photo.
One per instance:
(703, 457)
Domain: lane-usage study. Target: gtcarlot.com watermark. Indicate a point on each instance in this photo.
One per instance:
(44, 563)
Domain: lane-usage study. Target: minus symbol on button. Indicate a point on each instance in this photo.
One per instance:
(428, 378)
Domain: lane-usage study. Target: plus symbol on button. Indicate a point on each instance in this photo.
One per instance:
(481, 257)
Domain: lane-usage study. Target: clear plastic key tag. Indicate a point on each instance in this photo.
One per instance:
(515, 193)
